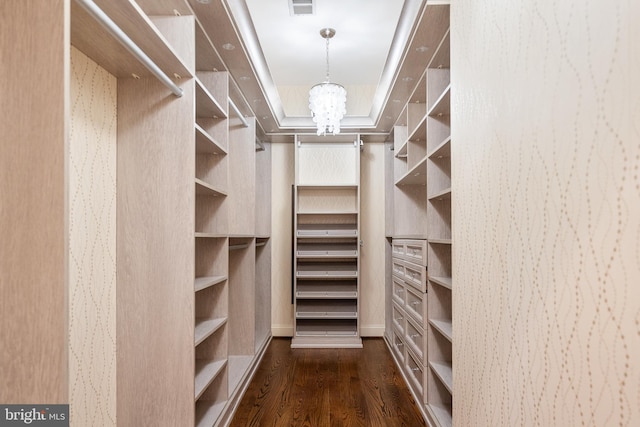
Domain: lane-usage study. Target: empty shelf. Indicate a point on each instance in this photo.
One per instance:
(326, 309)
(205, 282)
(205, 327)
(206, 104)
(442, 281)
(443, 371)
(327, 230)
(327, 270)
(208, 412)
(206, 372)
(205, 189)
(319, 328)
(327, 250)
(443, 326)
(442, 414)
(326, 289)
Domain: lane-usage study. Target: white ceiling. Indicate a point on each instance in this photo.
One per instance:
(295, 52)
(287, 51)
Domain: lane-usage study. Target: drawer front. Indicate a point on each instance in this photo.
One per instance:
(398, 318)
(397, 266)
(398, 248)
(415, 374)
(416, 340)
(416, 305)
(416, 251)
(416, 276)
(398, 347)
(399, 291)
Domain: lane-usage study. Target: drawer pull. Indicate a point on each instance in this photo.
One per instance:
(414, 336)
(415, 302)
(399, 344)
(415, 369)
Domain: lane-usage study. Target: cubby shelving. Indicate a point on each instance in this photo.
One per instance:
(439, 397)
(326, 244)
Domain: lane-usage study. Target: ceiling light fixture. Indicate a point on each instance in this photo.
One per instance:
(327, 100)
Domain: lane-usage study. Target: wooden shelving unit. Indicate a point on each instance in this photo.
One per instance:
(439, 333)
(418, 228)
(326, 246)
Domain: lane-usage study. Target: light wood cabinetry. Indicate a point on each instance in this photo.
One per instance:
(439, 333)
(418, 228)
(326, 243)
(192, 257)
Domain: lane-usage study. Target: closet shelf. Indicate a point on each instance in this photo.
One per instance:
(206, 372)
(207, 412)
(440, 241)
(110, 54)
(206, 282)
(441, 414)
(441, 195)
(444, 327)
(205, 189)
(206, 327)
(419, 132)
(442, 106)
(402, 151)
(442, 150)
(206, 144)
(203, 235)
(442, 281)
(443, 371)
(417, 175)
(206, 105)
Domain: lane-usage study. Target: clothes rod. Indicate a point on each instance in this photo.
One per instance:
(238, 113)
(104, 20)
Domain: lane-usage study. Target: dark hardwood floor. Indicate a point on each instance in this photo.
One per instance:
(327, 387)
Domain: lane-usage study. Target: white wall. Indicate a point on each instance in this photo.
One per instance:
(546, 213)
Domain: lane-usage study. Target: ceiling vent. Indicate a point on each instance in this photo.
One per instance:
(301, 7)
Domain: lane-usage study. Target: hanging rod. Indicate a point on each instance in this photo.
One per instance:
(102, 18)
(238, 113)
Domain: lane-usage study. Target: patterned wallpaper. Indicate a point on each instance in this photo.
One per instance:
(92, 244)
(546, 179)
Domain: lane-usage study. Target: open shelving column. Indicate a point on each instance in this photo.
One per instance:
(440, 336)
(211, 254)
(326, 244)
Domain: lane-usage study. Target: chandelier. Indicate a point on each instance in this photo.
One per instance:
(327, 100)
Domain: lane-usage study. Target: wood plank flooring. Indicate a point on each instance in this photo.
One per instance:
(327, 387)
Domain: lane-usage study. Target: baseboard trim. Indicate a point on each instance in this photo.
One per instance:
(282, 330)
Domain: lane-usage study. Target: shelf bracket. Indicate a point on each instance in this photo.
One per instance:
(104, 20)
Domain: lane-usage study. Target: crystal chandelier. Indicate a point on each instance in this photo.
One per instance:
(327, 100)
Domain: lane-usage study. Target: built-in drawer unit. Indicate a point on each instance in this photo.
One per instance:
(415, 374)
(416, 340)
(415, 304)
(398, 318)
(399, 291)
(415, 251)
(399, 347)
(397, 267)
(415, 275)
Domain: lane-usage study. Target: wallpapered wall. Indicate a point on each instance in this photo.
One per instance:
(546, 178)
(92, 244)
